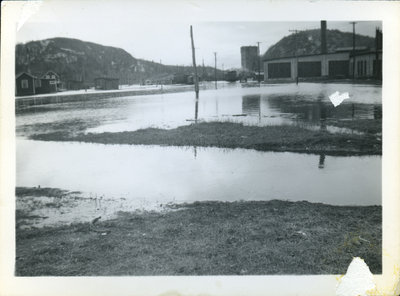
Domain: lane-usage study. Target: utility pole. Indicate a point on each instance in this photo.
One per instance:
(196, 79)
(259, 67)
(295, 54)
(354, 48)
(202, 74)
(215, 69)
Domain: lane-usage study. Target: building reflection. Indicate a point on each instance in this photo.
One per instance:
(322, 112)
(312, 110)
(251, 105)
(377, 112)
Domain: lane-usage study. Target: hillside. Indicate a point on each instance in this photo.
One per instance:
(309, 42)
(74, 59)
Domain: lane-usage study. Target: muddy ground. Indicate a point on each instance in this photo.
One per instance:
(206, 238)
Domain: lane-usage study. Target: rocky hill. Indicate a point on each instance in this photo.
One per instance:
(74, 59)
(309, 42)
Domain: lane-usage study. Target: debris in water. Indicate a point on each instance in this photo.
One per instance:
(337, 98)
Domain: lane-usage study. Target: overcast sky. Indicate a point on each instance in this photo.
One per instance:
(168, 41)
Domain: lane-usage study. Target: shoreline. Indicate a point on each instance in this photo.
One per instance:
(206, 238)
(23, 102)
(44, 99)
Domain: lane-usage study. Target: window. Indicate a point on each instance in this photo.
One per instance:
(279, 70)
(38, 83)
(362, 68)
(24, 83)
(365, 68)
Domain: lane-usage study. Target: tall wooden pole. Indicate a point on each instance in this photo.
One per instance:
(196, 78)
(259, 66)
(215, 69)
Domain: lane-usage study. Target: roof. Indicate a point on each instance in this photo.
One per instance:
(50, 71)
(350, 48)
(309, 42)
(19, 74)
(366, 53)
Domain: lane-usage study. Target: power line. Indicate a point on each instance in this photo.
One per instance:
(259, 61)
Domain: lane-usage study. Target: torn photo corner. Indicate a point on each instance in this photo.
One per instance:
(152, 149)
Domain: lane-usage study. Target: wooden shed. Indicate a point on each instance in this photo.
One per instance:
(25, 84)
(106, 83)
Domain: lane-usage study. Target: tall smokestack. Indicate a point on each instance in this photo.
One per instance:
(323, 37)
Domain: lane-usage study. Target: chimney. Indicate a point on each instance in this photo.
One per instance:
(378, 39)
(323, 37)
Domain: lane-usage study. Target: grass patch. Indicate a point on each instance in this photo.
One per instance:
(368, 126)
(38, 191)
(209, 238)
(236, 135)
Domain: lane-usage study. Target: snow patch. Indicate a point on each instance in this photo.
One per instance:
(72, 51)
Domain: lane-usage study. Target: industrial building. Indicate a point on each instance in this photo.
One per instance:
(338, 64)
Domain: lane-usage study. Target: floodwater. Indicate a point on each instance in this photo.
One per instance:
(135, 177)
(166, 174)
(305, 104)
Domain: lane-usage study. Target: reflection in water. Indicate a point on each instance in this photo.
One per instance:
(322, 115)
(151, 174)
(267, 105)
(195, 151)
(196, 110)
(313, 111)
(377, 111)
(321, 163)
(251, 104)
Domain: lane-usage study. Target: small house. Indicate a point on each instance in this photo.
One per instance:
(49, 83)
(51, 75)
(106, 83)
(180, 78)
(26, 84)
